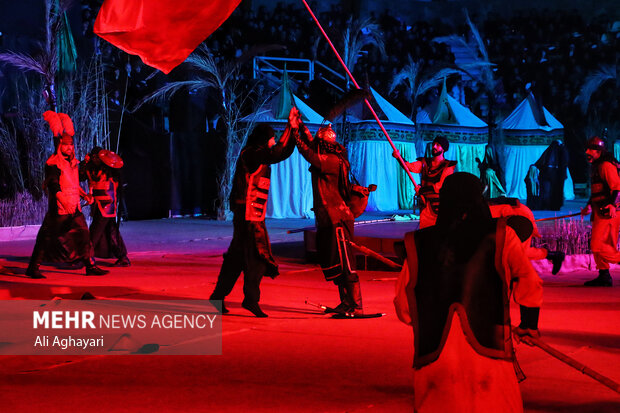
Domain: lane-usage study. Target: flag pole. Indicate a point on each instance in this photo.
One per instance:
(374, 114)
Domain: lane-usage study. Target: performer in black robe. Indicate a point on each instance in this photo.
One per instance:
(63, 236)
(491, 173)
(103, 183)
(552, 174)
(250, 250)
(330, 168)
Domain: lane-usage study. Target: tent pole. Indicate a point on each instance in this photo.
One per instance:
(374, 114)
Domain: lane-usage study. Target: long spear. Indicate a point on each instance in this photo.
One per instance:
(575, 364)
(374, 114)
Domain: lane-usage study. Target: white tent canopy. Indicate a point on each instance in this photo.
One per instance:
(523, 118)
(370, 153)
(467, 133)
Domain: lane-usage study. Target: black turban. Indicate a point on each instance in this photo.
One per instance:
(443, 142)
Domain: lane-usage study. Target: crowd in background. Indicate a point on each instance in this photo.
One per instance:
(548, 52)
(553, 51)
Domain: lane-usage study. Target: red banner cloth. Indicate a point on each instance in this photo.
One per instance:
(162, 32)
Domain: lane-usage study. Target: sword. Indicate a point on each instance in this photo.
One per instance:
(375, 255)
(370, 221)
(560, 217)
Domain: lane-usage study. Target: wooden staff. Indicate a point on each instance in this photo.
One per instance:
(374, 114)
(575, 364)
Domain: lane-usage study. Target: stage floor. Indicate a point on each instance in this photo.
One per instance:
(297, 360)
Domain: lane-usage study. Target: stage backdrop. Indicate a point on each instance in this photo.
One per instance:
(372, 162)
(370, 153)
(526, 133)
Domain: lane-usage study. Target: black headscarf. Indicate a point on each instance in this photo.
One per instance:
(260, 135)
(461, 202)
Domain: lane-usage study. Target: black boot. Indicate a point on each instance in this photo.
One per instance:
(221, 308)
(556, 258)
(603, 280)
(122, 262)
(354, 294)
(94, 270)
(34, 272)
(344, 305)
(254, 308)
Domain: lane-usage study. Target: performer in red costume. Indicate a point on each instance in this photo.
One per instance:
(102, 170)
(512, 207)
(603, 207)
(63, 236)
(433, 172)
(455, 292)
(250, 250)
(329, 166)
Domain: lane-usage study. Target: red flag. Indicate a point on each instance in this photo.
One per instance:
(162, 32)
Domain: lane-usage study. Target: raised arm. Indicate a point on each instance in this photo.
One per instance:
(415, 167)
(286, 144)
(303, 140)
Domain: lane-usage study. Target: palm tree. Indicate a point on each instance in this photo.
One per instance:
(602, 75)
(601, 123)
(416, 83)
(358, 34)
(28, 122)
(223, 78)
(480, 69)
(57, 52)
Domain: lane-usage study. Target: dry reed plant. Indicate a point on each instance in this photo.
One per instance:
(22, 210)
(571, 236)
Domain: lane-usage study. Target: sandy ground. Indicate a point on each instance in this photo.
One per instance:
(297, 360)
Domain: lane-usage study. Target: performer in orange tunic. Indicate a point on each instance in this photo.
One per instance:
(455, 292)
(433, 172)
(63, 236)
(512, 207)
(603, 205)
